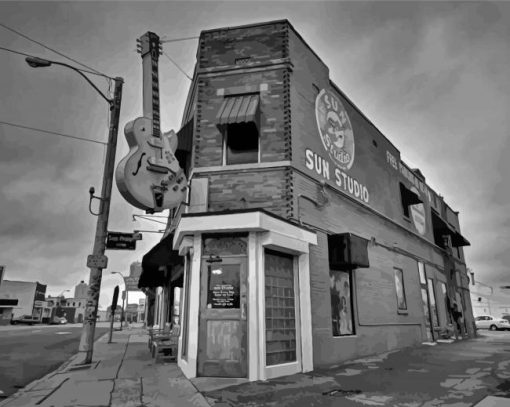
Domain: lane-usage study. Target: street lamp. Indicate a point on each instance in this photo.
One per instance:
(124, 297)
(97, 261)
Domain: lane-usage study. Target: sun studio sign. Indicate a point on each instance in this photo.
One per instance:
(335, 131)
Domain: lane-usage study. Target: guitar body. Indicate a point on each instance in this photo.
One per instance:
(150, 177)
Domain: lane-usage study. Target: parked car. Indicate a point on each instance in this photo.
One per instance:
(492, 323)
(58, 321)
(25, 319)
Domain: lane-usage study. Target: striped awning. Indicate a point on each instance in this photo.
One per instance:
(238, 109)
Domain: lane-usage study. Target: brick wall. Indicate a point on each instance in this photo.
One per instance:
(259, 188)
(260, 43)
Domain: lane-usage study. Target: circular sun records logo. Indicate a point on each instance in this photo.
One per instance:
(335, 129)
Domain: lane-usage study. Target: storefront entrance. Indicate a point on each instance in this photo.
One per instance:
(222, 338)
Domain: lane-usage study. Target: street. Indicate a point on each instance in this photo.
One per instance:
(30, 352)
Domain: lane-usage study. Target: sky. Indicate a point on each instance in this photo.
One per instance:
(432, 76)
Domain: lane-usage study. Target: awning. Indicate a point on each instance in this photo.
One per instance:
(442, 228)
(160, 258)
(238, 109)
(8, 302)
(408, 196)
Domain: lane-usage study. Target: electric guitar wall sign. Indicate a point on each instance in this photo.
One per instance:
(150, 176)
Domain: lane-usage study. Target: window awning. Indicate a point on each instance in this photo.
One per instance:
(8, 302)
(442, 228)
(160, 258)
(408, 196)
(238, 109)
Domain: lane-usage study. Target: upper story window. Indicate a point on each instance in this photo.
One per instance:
(238, 120)
(408, 198)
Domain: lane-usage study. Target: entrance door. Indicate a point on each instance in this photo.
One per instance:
(222, 327)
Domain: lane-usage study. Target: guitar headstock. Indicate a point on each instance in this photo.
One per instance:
(149, 44)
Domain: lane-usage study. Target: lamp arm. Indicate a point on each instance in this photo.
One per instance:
(110, 101)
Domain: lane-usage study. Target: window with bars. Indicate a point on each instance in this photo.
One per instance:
(280, 309)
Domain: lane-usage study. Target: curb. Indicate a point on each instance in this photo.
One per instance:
(36, 382)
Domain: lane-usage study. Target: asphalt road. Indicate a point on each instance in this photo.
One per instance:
(28, 353)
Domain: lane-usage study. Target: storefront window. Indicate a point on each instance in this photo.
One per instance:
(401, 294)
(341, 303)
(280, 309)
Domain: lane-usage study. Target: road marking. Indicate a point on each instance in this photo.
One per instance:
(37, 330)
(63, 333)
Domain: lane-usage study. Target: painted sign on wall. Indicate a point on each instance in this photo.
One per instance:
(335, 144)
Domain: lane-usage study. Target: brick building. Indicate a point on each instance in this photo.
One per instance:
(305, 239)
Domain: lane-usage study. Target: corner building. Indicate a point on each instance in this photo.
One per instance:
(305, 240)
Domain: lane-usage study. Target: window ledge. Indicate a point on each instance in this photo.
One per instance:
(402, 312)
(237, 167)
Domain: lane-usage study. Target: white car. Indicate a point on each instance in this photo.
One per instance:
(492, 323)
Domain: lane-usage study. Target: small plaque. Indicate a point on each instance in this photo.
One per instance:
(97, 261)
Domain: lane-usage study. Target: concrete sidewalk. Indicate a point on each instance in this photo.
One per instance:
(466, 373)
(122, 374)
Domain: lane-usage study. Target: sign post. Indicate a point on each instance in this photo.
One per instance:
(113, 308)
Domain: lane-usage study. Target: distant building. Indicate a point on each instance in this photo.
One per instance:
(103, 315)
(78, 304)
(7, 303)
(30, 297)
(80, 291)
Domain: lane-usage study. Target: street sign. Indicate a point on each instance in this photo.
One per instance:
(131, 283)
(122, 241)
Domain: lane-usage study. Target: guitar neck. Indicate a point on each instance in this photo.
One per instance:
(150, 60)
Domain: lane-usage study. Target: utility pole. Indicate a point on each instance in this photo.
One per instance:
(97, 261)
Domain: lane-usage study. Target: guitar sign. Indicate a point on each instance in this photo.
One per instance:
(150, 177)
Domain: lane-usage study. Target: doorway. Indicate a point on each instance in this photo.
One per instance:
(222, 337)
(429, 331)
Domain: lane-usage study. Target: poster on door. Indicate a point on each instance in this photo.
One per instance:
(223, 287)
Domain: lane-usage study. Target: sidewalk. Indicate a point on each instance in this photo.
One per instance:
(122, 374)
(466, 373)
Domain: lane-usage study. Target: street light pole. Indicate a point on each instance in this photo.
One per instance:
(97, 261)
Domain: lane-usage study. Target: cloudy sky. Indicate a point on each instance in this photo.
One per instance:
(432, 76)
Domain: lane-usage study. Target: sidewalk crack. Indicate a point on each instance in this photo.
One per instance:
(53, 391)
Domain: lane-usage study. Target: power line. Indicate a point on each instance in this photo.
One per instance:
(33, 56)
(51, 49)
(52, 132)
(178, 39)
(178, 67)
